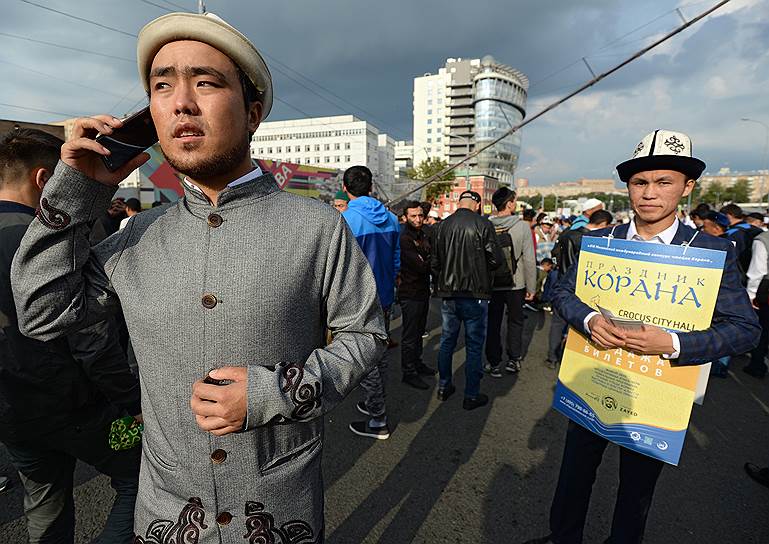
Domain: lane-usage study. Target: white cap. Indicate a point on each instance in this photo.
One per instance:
(591, 203)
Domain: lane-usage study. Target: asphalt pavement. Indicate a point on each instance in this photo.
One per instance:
(447, 475)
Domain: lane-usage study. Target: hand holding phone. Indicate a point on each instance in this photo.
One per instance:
(84, 154)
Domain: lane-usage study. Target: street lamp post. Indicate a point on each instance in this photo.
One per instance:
(468, 186)
(766, 156)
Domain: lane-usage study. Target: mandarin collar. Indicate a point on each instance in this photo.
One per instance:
(231, 196)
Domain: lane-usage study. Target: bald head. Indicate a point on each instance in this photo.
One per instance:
(469, 204)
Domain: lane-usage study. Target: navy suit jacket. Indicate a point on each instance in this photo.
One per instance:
(734, 329)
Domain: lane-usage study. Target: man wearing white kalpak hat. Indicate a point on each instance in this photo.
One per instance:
(218, 282)
(589, 207)
(660, 173)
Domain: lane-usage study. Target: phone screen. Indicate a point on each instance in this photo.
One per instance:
(138, 129)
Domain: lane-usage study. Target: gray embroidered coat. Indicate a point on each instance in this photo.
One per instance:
(254, 281)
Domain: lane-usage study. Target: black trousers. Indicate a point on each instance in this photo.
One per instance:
(513, 301)
(759, 352)
(581, 457)
(46, 464)
(414, 322)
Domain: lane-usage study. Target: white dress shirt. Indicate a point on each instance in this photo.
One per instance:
(664, 237)
(758, 268)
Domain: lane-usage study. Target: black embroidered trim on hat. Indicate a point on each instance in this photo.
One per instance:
(306, 397)
(638, 149)
(51, 217)
(260, 528)
(186, 530)
(654, 141)
(674, 144)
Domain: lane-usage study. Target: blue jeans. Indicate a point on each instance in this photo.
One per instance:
(472, 312)
(373, 383)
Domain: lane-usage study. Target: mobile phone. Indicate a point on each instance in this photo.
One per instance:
(137, 134)
(209, 380)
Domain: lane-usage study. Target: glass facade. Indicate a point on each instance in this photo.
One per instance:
(499, 104)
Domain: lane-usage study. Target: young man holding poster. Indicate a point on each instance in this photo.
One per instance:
(660, 173)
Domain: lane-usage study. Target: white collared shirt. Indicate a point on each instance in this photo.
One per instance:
(664, 237)
(250, 176)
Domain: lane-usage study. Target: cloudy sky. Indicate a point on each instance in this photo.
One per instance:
(351, 56)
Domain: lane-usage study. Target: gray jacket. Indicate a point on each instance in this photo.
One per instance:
(255, 281)
(523, 245)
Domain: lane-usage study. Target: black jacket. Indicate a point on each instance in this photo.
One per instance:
(44, 385)
(464, 256)
(567, 248)
(415, 264)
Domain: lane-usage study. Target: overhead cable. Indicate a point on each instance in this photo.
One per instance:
(28, 39)
(638, 54)
(89, 21)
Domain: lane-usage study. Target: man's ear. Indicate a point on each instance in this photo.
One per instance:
(41, 176)
(688, 187)
(255, 110)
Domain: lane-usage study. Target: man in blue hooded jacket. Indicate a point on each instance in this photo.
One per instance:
(378, 233)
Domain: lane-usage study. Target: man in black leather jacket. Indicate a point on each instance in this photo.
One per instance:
(463, 258)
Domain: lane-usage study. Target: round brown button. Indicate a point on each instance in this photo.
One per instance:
(224, 518)
(218, 456)
(209, 301)
(215, 220)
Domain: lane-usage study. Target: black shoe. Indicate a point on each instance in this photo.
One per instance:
(415, 381)
(752, 371)
(760, 475)
(424, 370)
(471, 403)
(362, 428)
(540, 540)
(513, 366)
(492, 371)
(445, 392)
(361, 406)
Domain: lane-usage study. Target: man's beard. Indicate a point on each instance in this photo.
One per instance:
(213, 165)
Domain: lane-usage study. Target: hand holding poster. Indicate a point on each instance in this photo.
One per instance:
(640, 402)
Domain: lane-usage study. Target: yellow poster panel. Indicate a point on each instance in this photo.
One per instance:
(638, 401)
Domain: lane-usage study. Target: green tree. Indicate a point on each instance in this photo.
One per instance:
(715, 194)
(429, 168)
(739, 192)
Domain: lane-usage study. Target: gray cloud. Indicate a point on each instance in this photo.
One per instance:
(369, 52)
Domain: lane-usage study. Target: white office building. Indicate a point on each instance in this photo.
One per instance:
(468, 103)
(404, 158)
(328, 142)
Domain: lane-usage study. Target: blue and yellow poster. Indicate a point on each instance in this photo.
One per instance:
(640, 402)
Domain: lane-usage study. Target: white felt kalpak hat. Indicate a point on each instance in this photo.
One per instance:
(591, 203)
(212, 30)
(662, 150)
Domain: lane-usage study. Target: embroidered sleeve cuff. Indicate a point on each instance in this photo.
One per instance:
(71, 195)
(282, 394)
(676, 348)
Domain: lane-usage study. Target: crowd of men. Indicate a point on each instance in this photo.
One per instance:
(246, 329)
